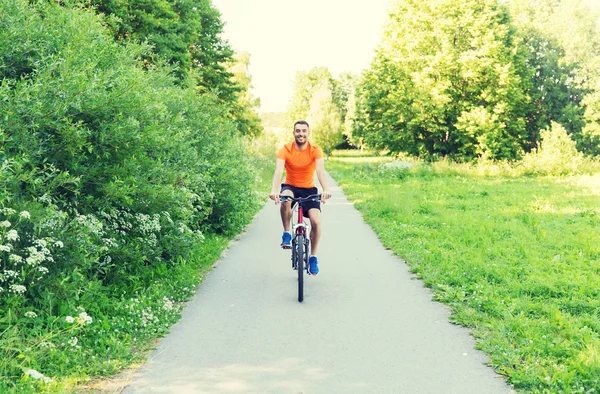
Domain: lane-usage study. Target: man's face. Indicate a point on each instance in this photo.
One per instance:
(301, 134)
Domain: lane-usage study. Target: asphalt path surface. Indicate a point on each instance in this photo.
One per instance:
(365, 326)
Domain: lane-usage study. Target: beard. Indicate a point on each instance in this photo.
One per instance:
(301, 141)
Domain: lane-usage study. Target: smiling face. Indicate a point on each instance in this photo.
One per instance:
(301, 134)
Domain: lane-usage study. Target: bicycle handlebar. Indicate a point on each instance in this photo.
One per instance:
(312, 197)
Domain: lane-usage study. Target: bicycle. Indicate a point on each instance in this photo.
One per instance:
(300, 239)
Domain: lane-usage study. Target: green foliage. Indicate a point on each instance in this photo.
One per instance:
(445, 81)
(590, 135)
(325, 120)
(561, 44)
(327, 104)
(244, 111)
(117, 186)
(184, 32)
(480, 80)
(557, 154)
(305, 85)
(516, 258)
(129, 137)
(187, 34)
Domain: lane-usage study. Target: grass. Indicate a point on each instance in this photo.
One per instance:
(121, 332)
(516, 258)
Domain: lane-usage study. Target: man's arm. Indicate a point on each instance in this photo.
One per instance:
(274, 195)
(325, 194)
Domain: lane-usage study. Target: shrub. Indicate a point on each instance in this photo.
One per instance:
(557, 154)
(122, 175)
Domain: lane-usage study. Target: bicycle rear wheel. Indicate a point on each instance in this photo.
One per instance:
(300, 265)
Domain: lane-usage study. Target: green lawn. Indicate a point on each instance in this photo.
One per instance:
(516, 258)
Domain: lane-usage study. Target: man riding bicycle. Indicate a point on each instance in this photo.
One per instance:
(301, 159)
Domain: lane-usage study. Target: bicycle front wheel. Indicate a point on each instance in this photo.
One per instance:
(300, 265)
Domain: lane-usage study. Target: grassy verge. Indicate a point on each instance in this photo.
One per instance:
(117, 331)
(516, 258)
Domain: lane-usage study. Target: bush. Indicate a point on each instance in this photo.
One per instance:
(112, 179)
(557, 154)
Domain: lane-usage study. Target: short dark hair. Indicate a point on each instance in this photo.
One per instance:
(301, 122)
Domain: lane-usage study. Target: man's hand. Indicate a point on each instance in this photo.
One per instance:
(274, 196)
(325, 195)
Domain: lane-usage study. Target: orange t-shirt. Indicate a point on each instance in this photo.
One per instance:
(300, 165)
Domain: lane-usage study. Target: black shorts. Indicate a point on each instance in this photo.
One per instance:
(303, 192)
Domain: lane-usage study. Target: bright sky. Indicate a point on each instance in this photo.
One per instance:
(286, 36)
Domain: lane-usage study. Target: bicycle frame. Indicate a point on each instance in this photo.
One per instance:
(300, 240)
(300, 227)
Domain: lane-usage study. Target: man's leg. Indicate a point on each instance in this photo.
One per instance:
(314, 215)
(286, 220)
(286, 211)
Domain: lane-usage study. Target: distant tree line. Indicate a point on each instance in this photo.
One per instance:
(467, 80)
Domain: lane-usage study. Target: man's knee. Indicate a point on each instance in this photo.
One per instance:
(314, 215)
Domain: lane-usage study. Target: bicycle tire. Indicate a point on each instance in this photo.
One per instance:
(294, 266)
(300, 266)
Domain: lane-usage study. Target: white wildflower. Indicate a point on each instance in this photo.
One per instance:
(47, 344)
(45, 198)
(69, 319)
(168, 306)
(110, 242)
(30, 314)
(5, 223)
(18, 289)
(59, 244)
(147, 223)
(41, 243)
(43, 270)
(397, 165)
(73, 341)
(25, 215)
(85, 318)
(8, 211)
(12, 235)
(11, 274)
(37, 375)
(15, 258)
(168, 216)
(5, 248)
(34, 258)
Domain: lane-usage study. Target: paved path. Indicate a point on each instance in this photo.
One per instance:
(365, 325)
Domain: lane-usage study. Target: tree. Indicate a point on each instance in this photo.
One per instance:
(325, 120)
(305, 86)
(244, 111)
(344, 98)
(445, 82)
(185, 32)
(562, 42)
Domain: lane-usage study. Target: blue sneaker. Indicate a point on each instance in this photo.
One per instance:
(286, 240)
(313, 265)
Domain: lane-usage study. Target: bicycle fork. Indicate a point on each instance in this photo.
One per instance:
(300, 229)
